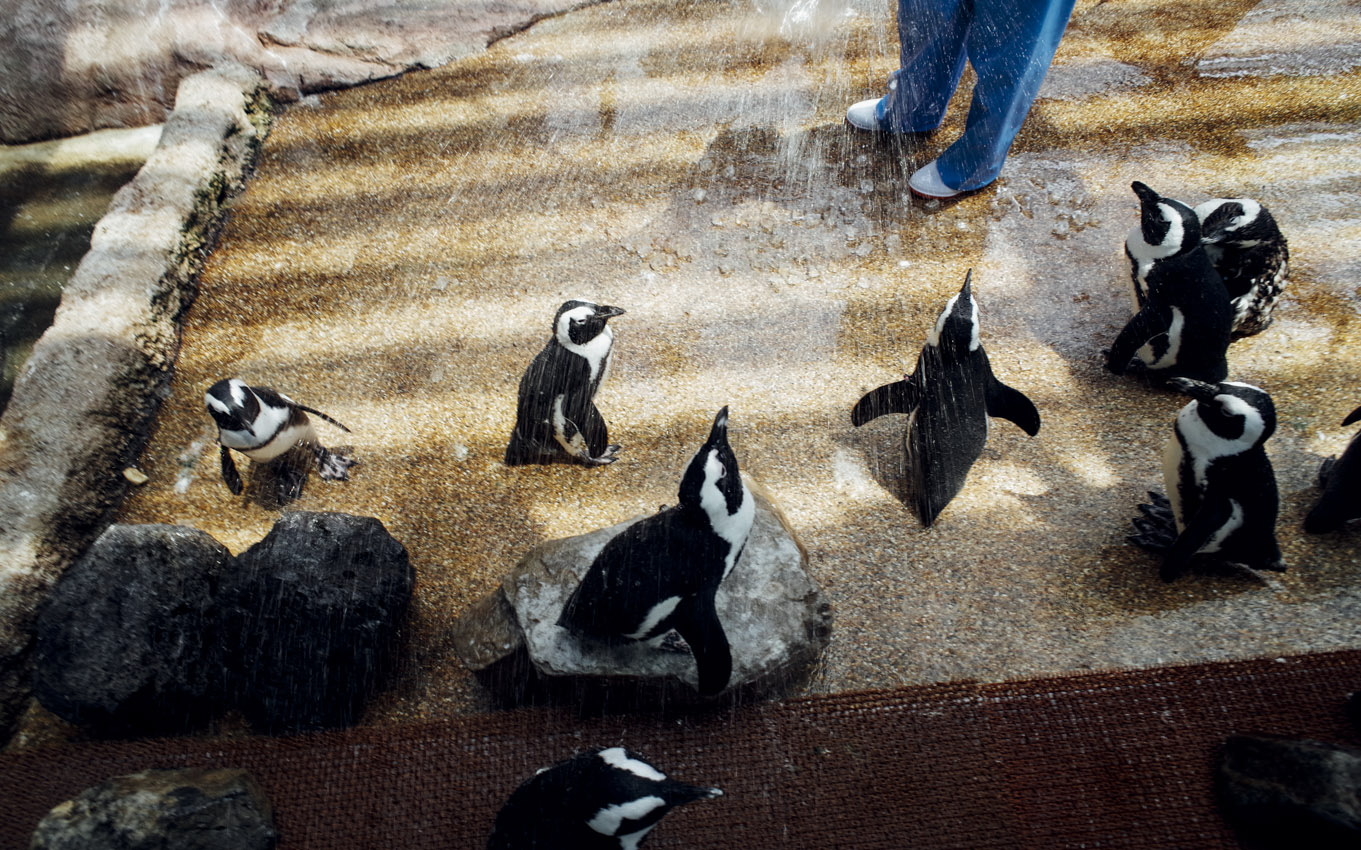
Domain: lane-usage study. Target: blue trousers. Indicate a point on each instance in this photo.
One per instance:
(1010, 44)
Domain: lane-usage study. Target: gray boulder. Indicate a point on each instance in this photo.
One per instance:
(126, 643)
(312, 620)
(1288, 792)
(771, 610)
(192, 809)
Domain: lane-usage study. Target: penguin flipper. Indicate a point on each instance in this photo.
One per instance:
(897, 397)
(1352, 417)
(696, 621)
(1209, 519)
(317, 413)
(1136, 332)
(1012, 405)
(571, 437)
(229, 473)
(598, 435)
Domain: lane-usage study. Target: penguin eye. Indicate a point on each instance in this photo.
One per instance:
(722, 472)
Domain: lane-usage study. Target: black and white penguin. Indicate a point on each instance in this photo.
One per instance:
(266, 426)
(1221, 490)
(555, 417)
(662, 573)
(1250, 253)
(1181, 326)
(604, 799)
(1340, 479)
(948, 399)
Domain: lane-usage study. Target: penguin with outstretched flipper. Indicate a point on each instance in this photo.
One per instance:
(948, 399)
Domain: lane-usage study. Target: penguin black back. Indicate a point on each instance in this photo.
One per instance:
(555, 417)
(607, 798)
(1340, 479)
(1247, 248)
(948, 397)
(663, 572)
(1182, 322)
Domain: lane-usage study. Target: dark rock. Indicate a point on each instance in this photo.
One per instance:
(771, 610)
(125, 643)
(312, 620)
(1284, 792)
(193, 809)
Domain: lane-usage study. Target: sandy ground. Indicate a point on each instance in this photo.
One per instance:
(400, 254)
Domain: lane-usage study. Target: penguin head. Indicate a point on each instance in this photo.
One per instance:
(578, 322)
(1239, 221)
(232, 404)
(1225, 418)
(956, 329)
(1166, 226)
(612, 791)
(712, 480)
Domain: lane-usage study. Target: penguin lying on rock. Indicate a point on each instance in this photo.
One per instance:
(1249, 251)
(555, 416)
(1340, 479)
(1183, 318)
(270, 428)
(604, 799)
(662, 572)
(948, 398)
(1221, 505)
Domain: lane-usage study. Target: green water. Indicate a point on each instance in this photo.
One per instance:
(52, 194)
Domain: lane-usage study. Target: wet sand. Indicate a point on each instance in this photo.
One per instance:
(400, 253)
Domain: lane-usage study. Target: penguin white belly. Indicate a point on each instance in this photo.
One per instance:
(282, 442)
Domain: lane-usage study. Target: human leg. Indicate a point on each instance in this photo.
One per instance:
(931, 38)
(1010, 46)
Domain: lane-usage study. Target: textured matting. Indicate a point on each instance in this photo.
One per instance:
(1111, 760)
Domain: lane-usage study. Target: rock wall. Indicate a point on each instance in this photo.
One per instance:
(73, 66)
(83, 407)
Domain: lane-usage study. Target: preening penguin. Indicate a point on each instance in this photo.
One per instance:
(555, 416)
(1340, 479)
(662, 572)
(948, 398)
(605, 799)
(1220, 485)
(266, 426)
(1182, 321)
(1250, 253)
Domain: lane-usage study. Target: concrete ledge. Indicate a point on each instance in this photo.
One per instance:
(85, 402)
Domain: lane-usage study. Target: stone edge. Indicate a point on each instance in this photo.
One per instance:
(85, 403)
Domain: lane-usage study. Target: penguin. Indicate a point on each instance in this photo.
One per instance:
(662, 573)
(265, 426)
(1221, 490)
(602, 799)
(1250, 253)
(555, 416)
(1182, 321)
(1340, 479)
(948, 399)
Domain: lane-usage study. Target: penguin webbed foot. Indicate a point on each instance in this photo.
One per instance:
(333, 465)
(289, 473)
(673, 642)
(605, 458)
(1156, 530)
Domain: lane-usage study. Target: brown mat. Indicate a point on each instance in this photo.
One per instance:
(1108, 760)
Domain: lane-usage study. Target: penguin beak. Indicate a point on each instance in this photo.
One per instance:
(1198, 390)
(966, 291)
(1147, 196)
(720, 429)
(604, 311)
